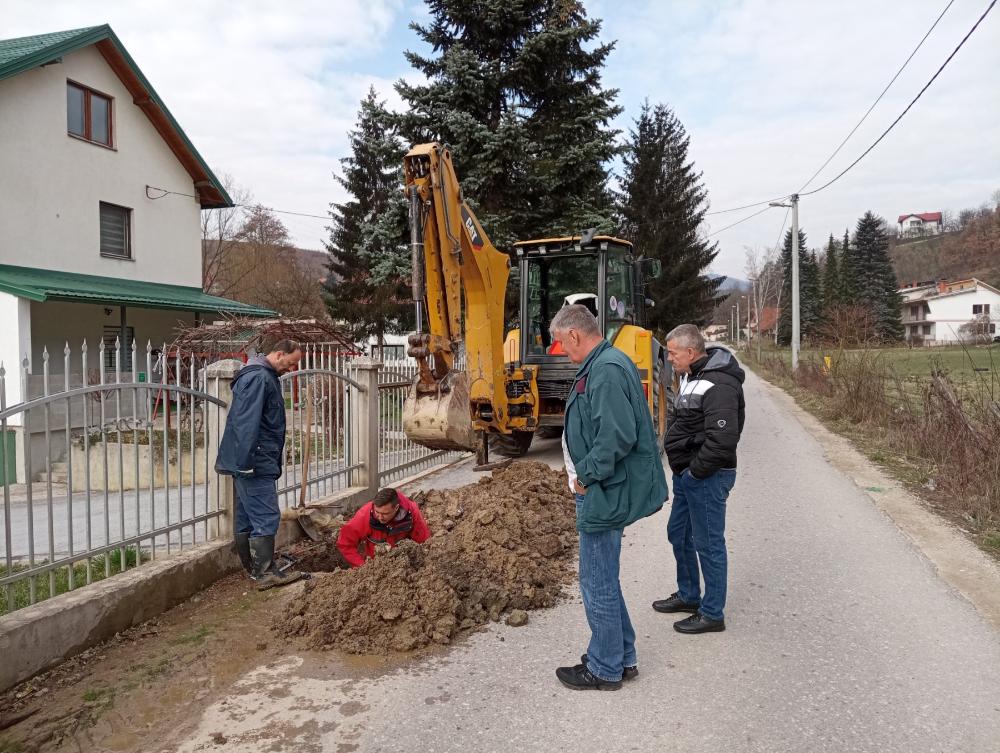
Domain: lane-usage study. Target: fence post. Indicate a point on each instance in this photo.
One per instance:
(218, 382)
(365, 420)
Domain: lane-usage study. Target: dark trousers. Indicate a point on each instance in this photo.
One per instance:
(257, 511)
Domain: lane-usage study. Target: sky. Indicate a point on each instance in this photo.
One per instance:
(766, 89)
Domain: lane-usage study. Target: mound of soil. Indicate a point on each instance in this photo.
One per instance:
(504, 543)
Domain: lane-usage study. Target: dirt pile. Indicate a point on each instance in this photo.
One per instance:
(504, 543)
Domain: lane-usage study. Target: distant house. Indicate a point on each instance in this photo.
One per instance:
(716, 332)
(943, 312)
(768, 321)
(928, 223)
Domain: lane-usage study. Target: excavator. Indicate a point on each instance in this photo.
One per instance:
(478, 386)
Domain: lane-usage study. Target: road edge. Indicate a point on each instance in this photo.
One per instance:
(959, 562)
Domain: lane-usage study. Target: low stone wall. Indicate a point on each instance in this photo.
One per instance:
(126, 477)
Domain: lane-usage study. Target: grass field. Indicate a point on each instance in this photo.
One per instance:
(962, 364)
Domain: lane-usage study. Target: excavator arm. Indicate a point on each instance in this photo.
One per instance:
(459, 284)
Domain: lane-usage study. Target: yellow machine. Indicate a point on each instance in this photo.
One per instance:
(476, 385)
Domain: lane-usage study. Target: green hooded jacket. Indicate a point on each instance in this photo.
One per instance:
(610, 437)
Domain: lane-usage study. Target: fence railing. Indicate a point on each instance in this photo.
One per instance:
(109, 471)
(111, 467)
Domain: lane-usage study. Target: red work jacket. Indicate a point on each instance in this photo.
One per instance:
(365, 528)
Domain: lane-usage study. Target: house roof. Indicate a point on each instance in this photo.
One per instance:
(49, 285)
(926, 216)
(25, 53)
(768, 319)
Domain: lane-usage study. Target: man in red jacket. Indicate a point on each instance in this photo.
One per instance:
(381, 523)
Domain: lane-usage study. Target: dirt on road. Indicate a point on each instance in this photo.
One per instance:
(503, 544)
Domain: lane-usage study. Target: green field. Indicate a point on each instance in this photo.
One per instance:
(962, 364)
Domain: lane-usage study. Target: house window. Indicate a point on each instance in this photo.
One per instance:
(111, 335)
(116, 231)
(993, 329)
(927, 329)
(88, 114)
(980, 308)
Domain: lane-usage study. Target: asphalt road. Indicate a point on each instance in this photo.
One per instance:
(842, 636)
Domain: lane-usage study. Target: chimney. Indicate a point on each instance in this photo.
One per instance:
(942, 287)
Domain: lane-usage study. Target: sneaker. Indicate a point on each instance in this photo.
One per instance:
(628, 673)
(581, 678)
(674, 603)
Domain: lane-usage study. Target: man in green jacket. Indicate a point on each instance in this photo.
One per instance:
(614, 466)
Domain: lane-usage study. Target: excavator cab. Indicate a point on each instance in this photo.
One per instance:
(600, 273)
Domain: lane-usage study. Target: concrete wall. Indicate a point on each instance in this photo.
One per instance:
(51, 183)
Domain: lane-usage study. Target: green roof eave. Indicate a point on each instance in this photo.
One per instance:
(43, 285)
(63, 43)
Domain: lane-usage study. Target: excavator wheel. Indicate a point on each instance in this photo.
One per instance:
(549, 432)
(512, 445)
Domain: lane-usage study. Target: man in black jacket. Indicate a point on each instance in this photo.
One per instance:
(252, 452)
(701, 449)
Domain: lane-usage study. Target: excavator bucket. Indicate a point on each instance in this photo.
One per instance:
(440, 420)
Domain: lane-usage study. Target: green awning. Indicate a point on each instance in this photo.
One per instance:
(48, 285)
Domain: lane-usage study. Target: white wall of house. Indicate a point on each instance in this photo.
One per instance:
(15, 344)
(51, 183)
(56, 322)
(950, 312)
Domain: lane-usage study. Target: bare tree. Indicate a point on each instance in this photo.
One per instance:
(765, 277)
(219, 230)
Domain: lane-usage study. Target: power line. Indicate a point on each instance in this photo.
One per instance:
(165, 192)
(912, 102)
(748, 206)
(877, 99)
(738, 222)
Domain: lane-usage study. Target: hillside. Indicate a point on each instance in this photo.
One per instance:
(973, 251)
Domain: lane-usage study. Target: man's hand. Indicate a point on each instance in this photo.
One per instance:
(578, 488)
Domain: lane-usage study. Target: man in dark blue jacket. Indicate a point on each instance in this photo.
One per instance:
(615, 470)
(701, 449)
(252, 452)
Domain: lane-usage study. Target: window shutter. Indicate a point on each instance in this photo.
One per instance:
(114, 231)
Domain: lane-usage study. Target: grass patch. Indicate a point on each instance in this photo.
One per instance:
(101, 567)
(193, 637)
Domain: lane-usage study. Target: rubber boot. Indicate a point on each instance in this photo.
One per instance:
(265, 572)
(241, 543)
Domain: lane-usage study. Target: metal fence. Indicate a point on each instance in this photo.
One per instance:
(115, 455)
(114, 468)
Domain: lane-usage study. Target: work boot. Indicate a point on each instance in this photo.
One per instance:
(265, 572)
(241, 543)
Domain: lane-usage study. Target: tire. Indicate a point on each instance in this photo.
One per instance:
(513, 445)
(549, 432)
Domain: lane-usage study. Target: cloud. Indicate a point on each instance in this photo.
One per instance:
(768, 89)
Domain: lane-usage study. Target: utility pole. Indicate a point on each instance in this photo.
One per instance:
(738, 333)
(732, 324)
(795, 276)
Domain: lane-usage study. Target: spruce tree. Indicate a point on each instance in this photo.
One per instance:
(831, 277)
(848, 272)
(878, 289)
(809, 293)
(514, 89)
(661, 206)
(367, 288)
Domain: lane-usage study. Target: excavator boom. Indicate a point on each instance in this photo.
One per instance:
(459, 284)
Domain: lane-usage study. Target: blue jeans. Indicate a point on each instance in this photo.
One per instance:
(612, 638)
(257, 511)
(697, 531)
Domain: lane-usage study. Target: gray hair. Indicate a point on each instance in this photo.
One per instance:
(687, 336)
(575, 317)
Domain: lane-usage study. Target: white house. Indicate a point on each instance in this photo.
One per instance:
(942, 313)
(92, 247)
(928, 223)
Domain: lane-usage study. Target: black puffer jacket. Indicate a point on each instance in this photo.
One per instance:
(708, 416)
